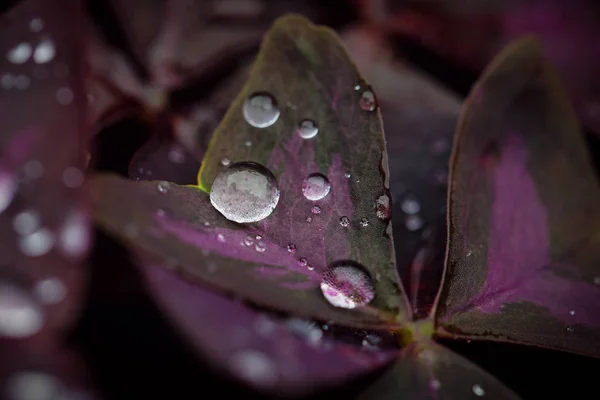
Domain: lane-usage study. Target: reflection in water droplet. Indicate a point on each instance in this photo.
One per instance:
(315, 187)
(19, 54)
(291, 247)
(344, 222)
(163, 187)
(38, 243)
(347, 285)
(307, 129)
(368, 101)
(26, 222)
(20, 316)
(316, 210)
(260, 246)
(8, 188)
(225, 161)
(413, 223)
(245, 192)
(478, 390)
(410, 205)
(364, 222)
(50, 290)
(254, 367)
(260, 110)
(44, 52)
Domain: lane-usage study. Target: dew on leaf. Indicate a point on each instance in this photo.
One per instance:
(383, 209)
(413, 223)
(347, 175)
(364, 222)
(307, 129)
(225, 161)
(162, 187)
(249, 240)
(20, 315)
(26, 222)
(315, 187)
(478, 390)
(37, 243)
(291, 247)
(260, 246)
(368, 101)
(245, 192)
(254, 367)
(303, 261)
(50, 290)
(258, 237)
(260, 110)
(347, 285)
(44, 52)
(316, 210)
(221, 238)
(310, 267)
(410, 205)
(20, 53)
(344, 222)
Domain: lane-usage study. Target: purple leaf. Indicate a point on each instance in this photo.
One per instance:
(44, 227)
(254, 347)
(522, 264)
(427, 370)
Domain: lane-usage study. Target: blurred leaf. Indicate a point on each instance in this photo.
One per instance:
(44, 230)
(426, 370)
(291, 358)
(179, 227)
(524, 219)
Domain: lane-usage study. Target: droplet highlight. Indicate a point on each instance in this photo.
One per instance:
(347, 285)
(316, 187)
(260, 110)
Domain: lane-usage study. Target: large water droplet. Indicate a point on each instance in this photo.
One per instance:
(20, 53)
(20, 316)
(315, 187)
(44, 52)
(245, 192)
(347, 285)
(307, 129)
(260, 110)
(368, 101)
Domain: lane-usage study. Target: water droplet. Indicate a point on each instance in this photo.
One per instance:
(260, 110)
(176, 155)
(316, 210)
(254, 367)
(50, 290)
(413, 223)
(303, 261)
(260, 246)
(249, 240)
(308, 219)
(20, 315)
(225, 161)
(221, 238)
(206, 223)
(291, 247)
(75, 238)
(383, 209)
(38, 243)
(307, 129)
(20, 53)
(368, 101)
(478, 390)
(8, 188)
(310, 267)
(570, 329)
(72, 177)
(315, 187)
(162, 187)
(258, 237)
(245, 192)
(347, 285)
(64, 96)
(344, 221)
(36, 24)
(26, 222)
(364, 222)
(44, 52)
(571, 312)
(347, 175)
(410, 205)
(435, 384)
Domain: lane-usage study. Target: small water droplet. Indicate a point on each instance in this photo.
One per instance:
(36, 25)
(347, 285)
(44, 52)
(435, 384)
(50, 290)
(163, 187)
(176, 155)
(469, 253)
(570, 329)
(20, 315)
(38, 243)
(347, 175)
(64, 96)
(258, 237)
(382, 207)
(364, 222)
(260, 246)
(410, 205)
(254, 367)
(20, 53)
(308, 219)
(307, 129)
(310, 267)
(316, 210)
(260, 110)
(26, 222)
(221, 238)
(225, 161)
(478, 390)
(571, 312)
(303, 261)
(413, 223)
(344, 221)
(315, 187)
(72, 177)
(368, 101)
(245, 192)
(357, 87)
(291, 247)
(249, 240)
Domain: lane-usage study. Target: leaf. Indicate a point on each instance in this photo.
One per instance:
(44, 229)
(308, 73)
(522, 262)
(426, 370)
(180, 228)
(254, 347)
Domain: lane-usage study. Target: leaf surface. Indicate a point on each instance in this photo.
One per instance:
(523, 258)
